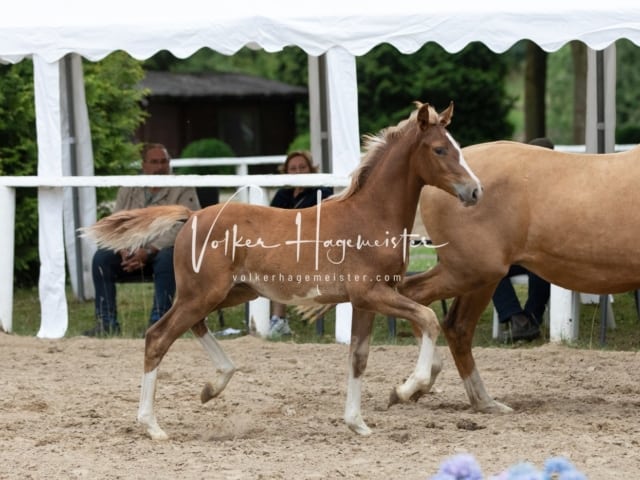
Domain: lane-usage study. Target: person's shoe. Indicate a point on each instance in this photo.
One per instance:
(505, 331)
(278, 326)
(523, 327)
(285, 329)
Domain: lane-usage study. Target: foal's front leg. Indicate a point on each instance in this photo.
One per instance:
(361, 326)
(429, 363)
(386, 300)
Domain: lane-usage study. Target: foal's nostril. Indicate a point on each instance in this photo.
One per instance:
(476, 194)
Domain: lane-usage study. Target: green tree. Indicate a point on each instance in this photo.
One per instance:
(388, 83)
(474, 79)
(18, 154)
(207, 148)
(560, 102)
(113, 101)
(115, 112)
(627, 93)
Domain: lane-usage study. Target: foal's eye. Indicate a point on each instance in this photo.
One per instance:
(440, 150)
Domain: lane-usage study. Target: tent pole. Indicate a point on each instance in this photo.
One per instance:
(73, 165)
(600, 148)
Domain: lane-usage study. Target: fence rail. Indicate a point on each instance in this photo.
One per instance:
(54, 320)
(279, 180)
(54, 316)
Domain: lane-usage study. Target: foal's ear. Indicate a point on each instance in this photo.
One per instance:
(425, 116)
(445, 116)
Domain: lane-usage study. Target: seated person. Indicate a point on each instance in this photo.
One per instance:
(524, 322)
(156, 259)
(297, 197)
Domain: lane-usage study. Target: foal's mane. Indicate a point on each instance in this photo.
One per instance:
(375, 146)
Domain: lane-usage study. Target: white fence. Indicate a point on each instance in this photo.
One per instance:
(54, 321)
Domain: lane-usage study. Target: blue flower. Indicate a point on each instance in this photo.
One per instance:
(465, 467)
(524, 471)
(459, 467)
(563, 469)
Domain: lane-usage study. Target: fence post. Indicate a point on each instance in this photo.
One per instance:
(259, 309)
(344, 313)
(564, 319)
(7, 247)
(242, 170)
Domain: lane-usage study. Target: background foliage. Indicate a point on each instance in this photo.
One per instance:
(18, 157)
(114, 104)
(388, 84)
(486, 88)
(207, 148)
(474, 79)
(627, 93)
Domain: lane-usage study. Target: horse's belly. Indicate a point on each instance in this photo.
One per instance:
(298, 294)
(599, 274)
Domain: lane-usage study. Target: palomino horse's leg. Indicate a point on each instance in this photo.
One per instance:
(221, 362)
(459, 327)
(361, 326)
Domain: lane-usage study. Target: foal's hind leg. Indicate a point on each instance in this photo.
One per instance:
(361, 326)
(221, 362)
(158, 340)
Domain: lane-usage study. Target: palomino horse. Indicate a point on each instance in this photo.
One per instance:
(570, 218)
(349, 249)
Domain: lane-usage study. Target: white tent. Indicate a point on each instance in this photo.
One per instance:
(44, 32)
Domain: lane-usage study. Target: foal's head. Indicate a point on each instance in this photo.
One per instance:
(437, 158)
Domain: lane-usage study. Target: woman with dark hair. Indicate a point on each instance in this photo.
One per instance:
(299, 161)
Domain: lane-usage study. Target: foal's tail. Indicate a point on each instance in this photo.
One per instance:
(311, 313)
(132, 229)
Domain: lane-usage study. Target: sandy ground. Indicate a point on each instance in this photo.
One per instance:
(68, 408)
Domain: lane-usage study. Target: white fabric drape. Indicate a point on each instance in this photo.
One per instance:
(94, 30)
(42, 30)
(54, 315)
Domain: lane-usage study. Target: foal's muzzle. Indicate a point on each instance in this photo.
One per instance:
(469, 194)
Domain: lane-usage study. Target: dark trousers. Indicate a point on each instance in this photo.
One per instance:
(106, 271)
(506, 301)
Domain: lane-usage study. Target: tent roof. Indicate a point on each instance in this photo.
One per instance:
(52, 29)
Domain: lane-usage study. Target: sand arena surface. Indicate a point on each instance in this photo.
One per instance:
(68, 410)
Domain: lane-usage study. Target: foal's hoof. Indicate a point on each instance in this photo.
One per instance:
(153, 430)
(494, 407)
(416, 396)
(158, 435)
(208, 392)
(393, 398)
(358, 426)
